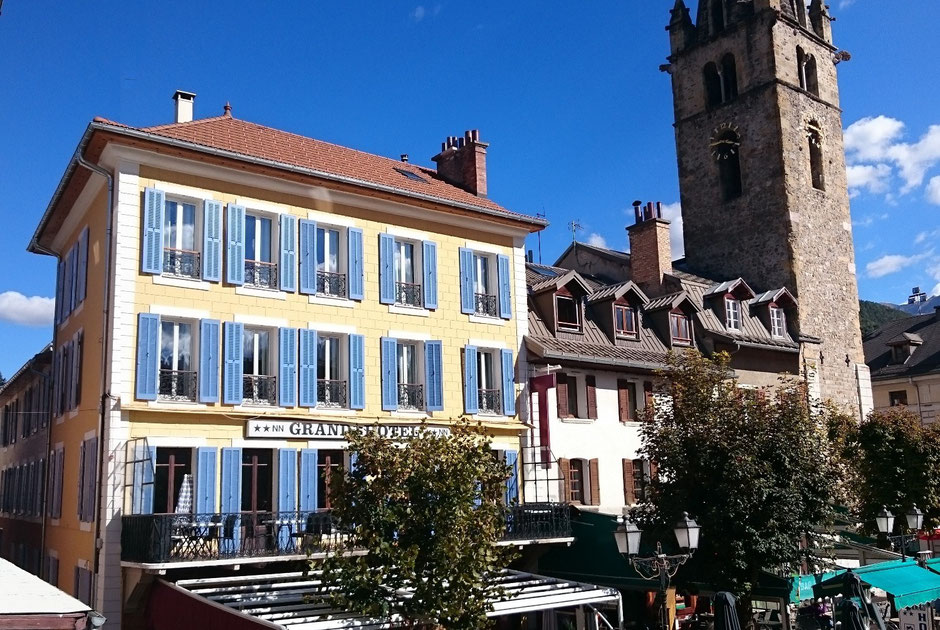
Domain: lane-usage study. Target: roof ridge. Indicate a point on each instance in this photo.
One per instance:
(188, 123)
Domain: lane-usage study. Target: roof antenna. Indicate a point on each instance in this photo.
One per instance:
(574, 226)
(540, 215)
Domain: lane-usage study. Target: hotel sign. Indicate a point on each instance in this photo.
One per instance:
(314, 430)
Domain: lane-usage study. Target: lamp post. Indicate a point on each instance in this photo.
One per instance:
(885, 522)
(658, 566)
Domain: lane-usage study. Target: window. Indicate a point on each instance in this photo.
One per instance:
(799, 11)
(410, 387)
(637, 475)
(259, 383)
(626, 400)
(257, 480)
(330, 278)
(331, 373)
(778, 322)
(485, 299)
(898, 398)
(566, 391)
(817, 175)
(260, 269)
(407, 289)
(576, 482)
(713, 91)
(180, 256)
(625, 321)
(680, 329)
(725, 150)
(717, 16)
(172, 465)
(87, 471)
(56, 470)
(729, 79)
(900, 353)
(177, 374)
(485, 284)
(569, 313)
(328, 462)
(412, 378)
(732, 314)
(489, 377)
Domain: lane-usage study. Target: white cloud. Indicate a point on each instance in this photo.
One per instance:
(933, 190)
(16, 308)
(874, 148)
(418, 14)
(845, 4)
(872, 177)
(892, 263)
(914, 160)
(673, 212)
(597, 240)
(868, 139)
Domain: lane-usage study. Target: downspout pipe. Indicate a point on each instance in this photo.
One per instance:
(105, 396)
(920, 409)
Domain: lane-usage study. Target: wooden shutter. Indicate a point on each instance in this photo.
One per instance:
(561, 392)
(233, 369)
(623, 399)
(572, 396)
(433, 377)
(212, 241)
(590, 387)
(287, 275)
(564, 467)
(308, 367)
(356, 270)
(629, 489)
(654, 470)
(308, 256)
(152, 250)
(308, 479)
(648, 393)
(389, 365)
(148, 348)
(471, 380)
(235, 245)
(467, 303)
(209, 360)
(386, 269)
(595, 498)
(429, 262)
(206, 458)
(357, 380)
(505, 294)
(287, 370)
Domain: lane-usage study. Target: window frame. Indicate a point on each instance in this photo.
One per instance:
(342, 367)
(342, 257)
(175, 322)
(256, 216)
(419, 367)
(198, 232)
(417, 269)
(732, 313)
(778, 322)
(898, 398)
(675, 316)
(577, 484)
(633, 317)
(568, 326)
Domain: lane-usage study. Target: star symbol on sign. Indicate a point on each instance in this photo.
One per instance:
(257, 428)
(266, 428)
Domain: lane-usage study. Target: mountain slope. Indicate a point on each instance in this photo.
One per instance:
(873, 315)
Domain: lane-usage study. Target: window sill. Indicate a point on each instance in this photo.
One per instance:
(73, 413)
(84, 526)
(401, 309)
(566, 329)
(578, 420)
(256, 407)
(171, 404)
(331, 300)
(627, 337)
(333, 411)
(476, 318)
(272, 294)
(489, 417)
(183, 283)
(416, 414)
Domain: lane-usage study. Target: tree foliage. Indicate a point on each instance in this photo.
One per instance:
(428, 512)
(751, 466)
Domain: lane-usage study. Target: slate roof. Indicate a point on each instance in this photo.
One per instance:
(925, 358)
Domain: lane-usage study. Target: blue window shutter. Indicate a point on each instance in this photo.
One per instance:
(206, 460)
(308, 368)
(288, 266)
(148, 351)
(389, 374)
(212, 241)
(235, 245)
(67, 291)
(505, 280)
(143, 474)
(59, 277)
(232, 370)
(287, 480)
(386, 269)
(287, 375)
(433, 379)
(151, 259)
(471, 396)
(357, 371)
(308, 480)
(512, 484)
(231, 498)
(509, 380)
(429, 260)
(467, 302)
(356, 267)
(82, 270)
(209, 360)
(308, 257)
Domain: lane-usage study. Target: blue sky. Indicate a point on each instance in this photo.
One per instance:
(568, 94)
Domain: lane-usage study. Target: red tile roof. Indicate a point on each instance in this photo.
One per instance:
(248, 139)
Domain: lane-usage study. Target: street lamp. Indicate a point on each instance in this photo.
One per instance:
(885, 522)
(659, 565)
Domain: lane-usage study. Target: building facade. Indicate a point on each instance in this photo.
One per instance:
(762, 175)
(257, 294)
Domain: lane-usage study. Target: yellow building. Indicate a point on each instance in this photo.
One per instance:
(231, 299)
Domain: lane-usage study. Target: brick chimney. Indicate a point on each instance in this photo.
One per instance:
(650, 253)
(462, 162)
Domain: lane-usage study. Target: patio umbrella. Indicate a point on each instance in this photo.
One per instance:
(726, 612)
(868, 613)
(851, 616)
(184, 503)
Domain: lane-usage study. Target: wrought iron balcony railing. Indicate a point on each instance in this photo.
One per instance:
(167, 538)
(181, 262)
(486, 304)
(177, 385)
(261, 274)
(259, 390)
(329, 283)
(410, 396)
(490, 400)
(331, 393)
(408, 294)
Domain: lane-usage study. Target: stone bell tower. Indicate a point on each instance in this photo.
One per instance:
(762, 169)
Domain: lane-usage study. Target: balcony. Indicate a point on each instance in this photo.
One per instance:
(485, 304)
(178, 385)
(170, 538)
(259, 390)
(332, 284)
(260, 274)
(183, 263)
(408, 294)
(410, 396)
(490, 400)
(331, 394)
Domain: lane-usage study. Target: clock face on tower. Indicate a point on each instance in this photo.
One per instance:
(724, 141)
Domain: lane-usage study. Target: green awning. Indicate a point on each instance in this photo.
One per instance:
(803, 585)
(907, 582)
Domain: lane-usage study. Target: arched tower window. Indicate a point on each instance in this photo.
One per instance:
(814, 139)
(717, 15)
(812, 85)
(729, 79)
(725, 146)
(799, 11)
(801, 66)
(713, 92)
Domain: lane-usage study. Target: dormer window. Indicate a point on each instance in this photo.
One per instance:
(778, 322)
(732, 314)
(569, 313)
(625, 324)
(680, 328)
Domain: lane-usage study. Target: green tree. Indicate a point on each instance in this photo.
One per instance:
(428, 512)
(751, 466)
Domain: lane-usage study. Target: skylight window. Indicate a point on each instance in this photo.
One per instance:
(411, 175)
